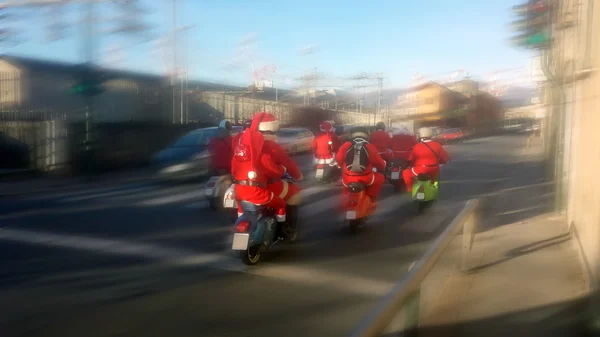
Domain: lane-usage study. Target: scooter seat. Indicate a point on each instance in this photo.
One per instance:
(356, 187)
(424, 177)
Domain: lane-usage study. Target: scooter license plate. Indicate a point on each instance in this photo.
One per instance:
(208, 192)
(351, 215)
(420, 196)
(320, 173)
(395, 175)
(229, 203)
(240, 241)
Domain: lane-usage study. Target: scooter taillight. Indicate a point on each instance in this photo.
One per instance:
(395, 169)
(242, 227)
(353, 203)
(421, 188)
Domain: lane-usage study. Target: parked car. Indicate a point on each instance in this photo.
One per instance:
(295, 140)
(188, 157)
(450, 135)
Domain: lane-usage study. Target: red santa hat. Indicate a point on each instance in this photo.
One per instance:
(264, 121)
(325, 126)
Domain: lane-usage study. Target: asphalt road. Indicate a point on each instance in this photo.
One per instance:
(149, 259)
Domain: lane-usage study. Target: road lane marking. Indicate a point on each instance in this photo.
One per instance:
(180, 257)
(170, 199)
(107, 194)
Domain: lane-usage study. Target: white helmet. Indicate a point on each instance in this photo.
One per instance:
(425, 132)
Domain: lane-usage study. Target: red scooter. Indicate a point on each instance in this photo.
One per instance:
(358, 206)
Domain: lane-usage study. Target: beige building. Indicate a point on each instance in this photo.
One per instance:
(574, 120)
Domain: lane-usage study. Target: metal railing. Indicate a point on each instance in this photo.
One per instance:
(405, 296)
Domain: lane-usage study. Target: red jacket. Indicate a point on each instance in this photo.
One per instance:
(381, 140)
(321, 146)
(266, 168)
(280, 157)
(402, 145)
(375, 159)
(220, 149)
(421, 155)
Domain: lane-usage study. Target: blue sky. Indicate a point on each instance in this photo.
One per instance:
(395, 37)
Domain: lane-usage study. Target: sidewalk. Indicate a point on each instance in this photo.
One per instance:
(526, 278)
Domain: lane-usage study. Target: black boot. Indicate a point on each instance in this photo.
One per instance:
(290, 227)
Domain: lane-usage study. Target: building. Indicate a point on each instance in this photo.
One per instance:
(433, 104)
(573, 97)
(39, 87)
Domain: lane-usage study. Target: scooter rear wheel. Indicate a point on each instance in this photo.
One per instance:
(251, 256)
(214, 204)
(354, 225)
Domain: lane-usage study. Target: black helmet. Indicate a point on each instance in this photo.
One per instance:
(360, 132)
(380, 126)
(225, 125)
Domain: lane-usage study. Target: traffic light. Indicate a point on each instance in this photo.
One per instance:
(533, 25)
(89, 81)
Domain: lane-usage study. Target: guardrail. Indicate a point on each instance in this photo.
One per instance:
(405, 296)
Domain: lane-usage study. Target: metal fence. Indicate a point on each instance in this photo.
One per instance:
(404, 298)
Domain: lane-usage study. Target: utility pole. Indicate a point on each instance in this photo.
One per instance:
(174, 46)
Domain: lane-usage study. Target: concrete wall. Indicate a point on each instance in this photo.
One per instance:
(580, 115)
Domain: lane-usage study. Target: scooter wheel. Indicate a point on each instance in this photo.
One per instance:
(354, 226)
(213, 203)
(251, 256)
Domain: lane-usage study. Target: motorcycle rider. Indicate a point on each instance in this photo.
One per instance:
(425, 158)
(220, 149)
(268, 125)
(360, 158)
(252, 167)
(402, 143)
(382, 141)
(326, 144)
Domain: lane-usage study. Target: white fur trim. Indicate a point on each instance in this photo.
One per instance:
(284, 169)
(372, 180)
(285, 189)
(252, 175)
(280, 218)
(269, 126)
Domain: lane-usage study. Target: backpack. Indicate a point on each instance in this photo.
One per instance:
(357, 156)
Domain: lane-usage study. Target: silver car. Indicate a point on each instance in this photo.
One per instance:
(295, 140)
(188, 157)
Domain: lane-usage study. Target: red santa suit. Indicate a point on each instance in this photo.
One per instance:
(325, 145)
(382, 142)
(373, 180)
(253, 168)
(425, 158)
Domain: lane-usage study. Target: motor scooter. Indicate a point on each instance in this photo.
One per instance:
(219, 193)
(257, 230)
(395, 173)
(326, 172)
(358, 206)
(424, 192)
(215, 188)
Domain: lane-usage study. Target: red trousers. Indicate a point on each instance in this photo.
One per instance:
(374, 181)
(410, 173)
(259, 196)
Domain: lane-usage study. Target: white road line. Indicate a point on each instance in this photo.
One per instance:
(195, 194)
(107, 246)
(305, 275)
(107, 194)
(197, 205)
(179, 257)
